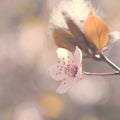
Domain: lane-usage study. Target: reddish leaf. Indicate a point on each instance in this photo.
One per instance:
(64, 39)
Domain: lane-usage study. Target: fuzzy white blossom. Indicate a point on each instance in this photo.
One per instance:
(77, 10)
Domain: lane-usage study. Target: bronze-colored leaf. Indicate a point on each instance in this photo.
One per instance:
(76, 31)
(96, 31)
(64, 39)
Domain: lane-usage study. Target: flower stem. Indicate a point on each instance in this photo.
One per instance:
(102, 74)
(110, 63)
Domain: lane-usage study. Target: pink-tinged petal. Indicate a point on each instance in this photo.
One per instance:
(55, 73)
(77, 57)
(65, 85)
(79, 75)
(104, 49)
(65, 54)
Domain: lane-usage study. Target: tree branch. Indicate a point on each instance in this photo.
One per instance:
(102, 74)
(109, 62)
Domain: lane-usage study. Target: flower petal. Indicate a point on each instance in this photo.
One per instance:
(63, 53)
(79, 75)
(55, 73)
(78, 56)
(104, 49)
(65, 85)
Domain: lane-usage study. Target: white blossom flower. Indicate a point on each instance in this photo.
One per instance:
(68, 69)
(76, 9)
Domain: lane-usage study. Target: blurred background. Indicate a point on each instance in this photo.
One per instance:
(27, 92)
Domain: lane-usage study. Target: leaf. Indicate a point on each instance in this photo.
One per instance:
(77, 32)
(73, 27)
(96, 31)
(63, 38)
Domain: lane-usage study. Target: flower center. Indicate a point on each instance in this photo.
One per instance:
(66, 68)
(73, 71)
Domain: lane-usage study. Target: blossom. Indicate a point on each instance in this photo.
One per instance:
(74, 8)
(68, 69)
